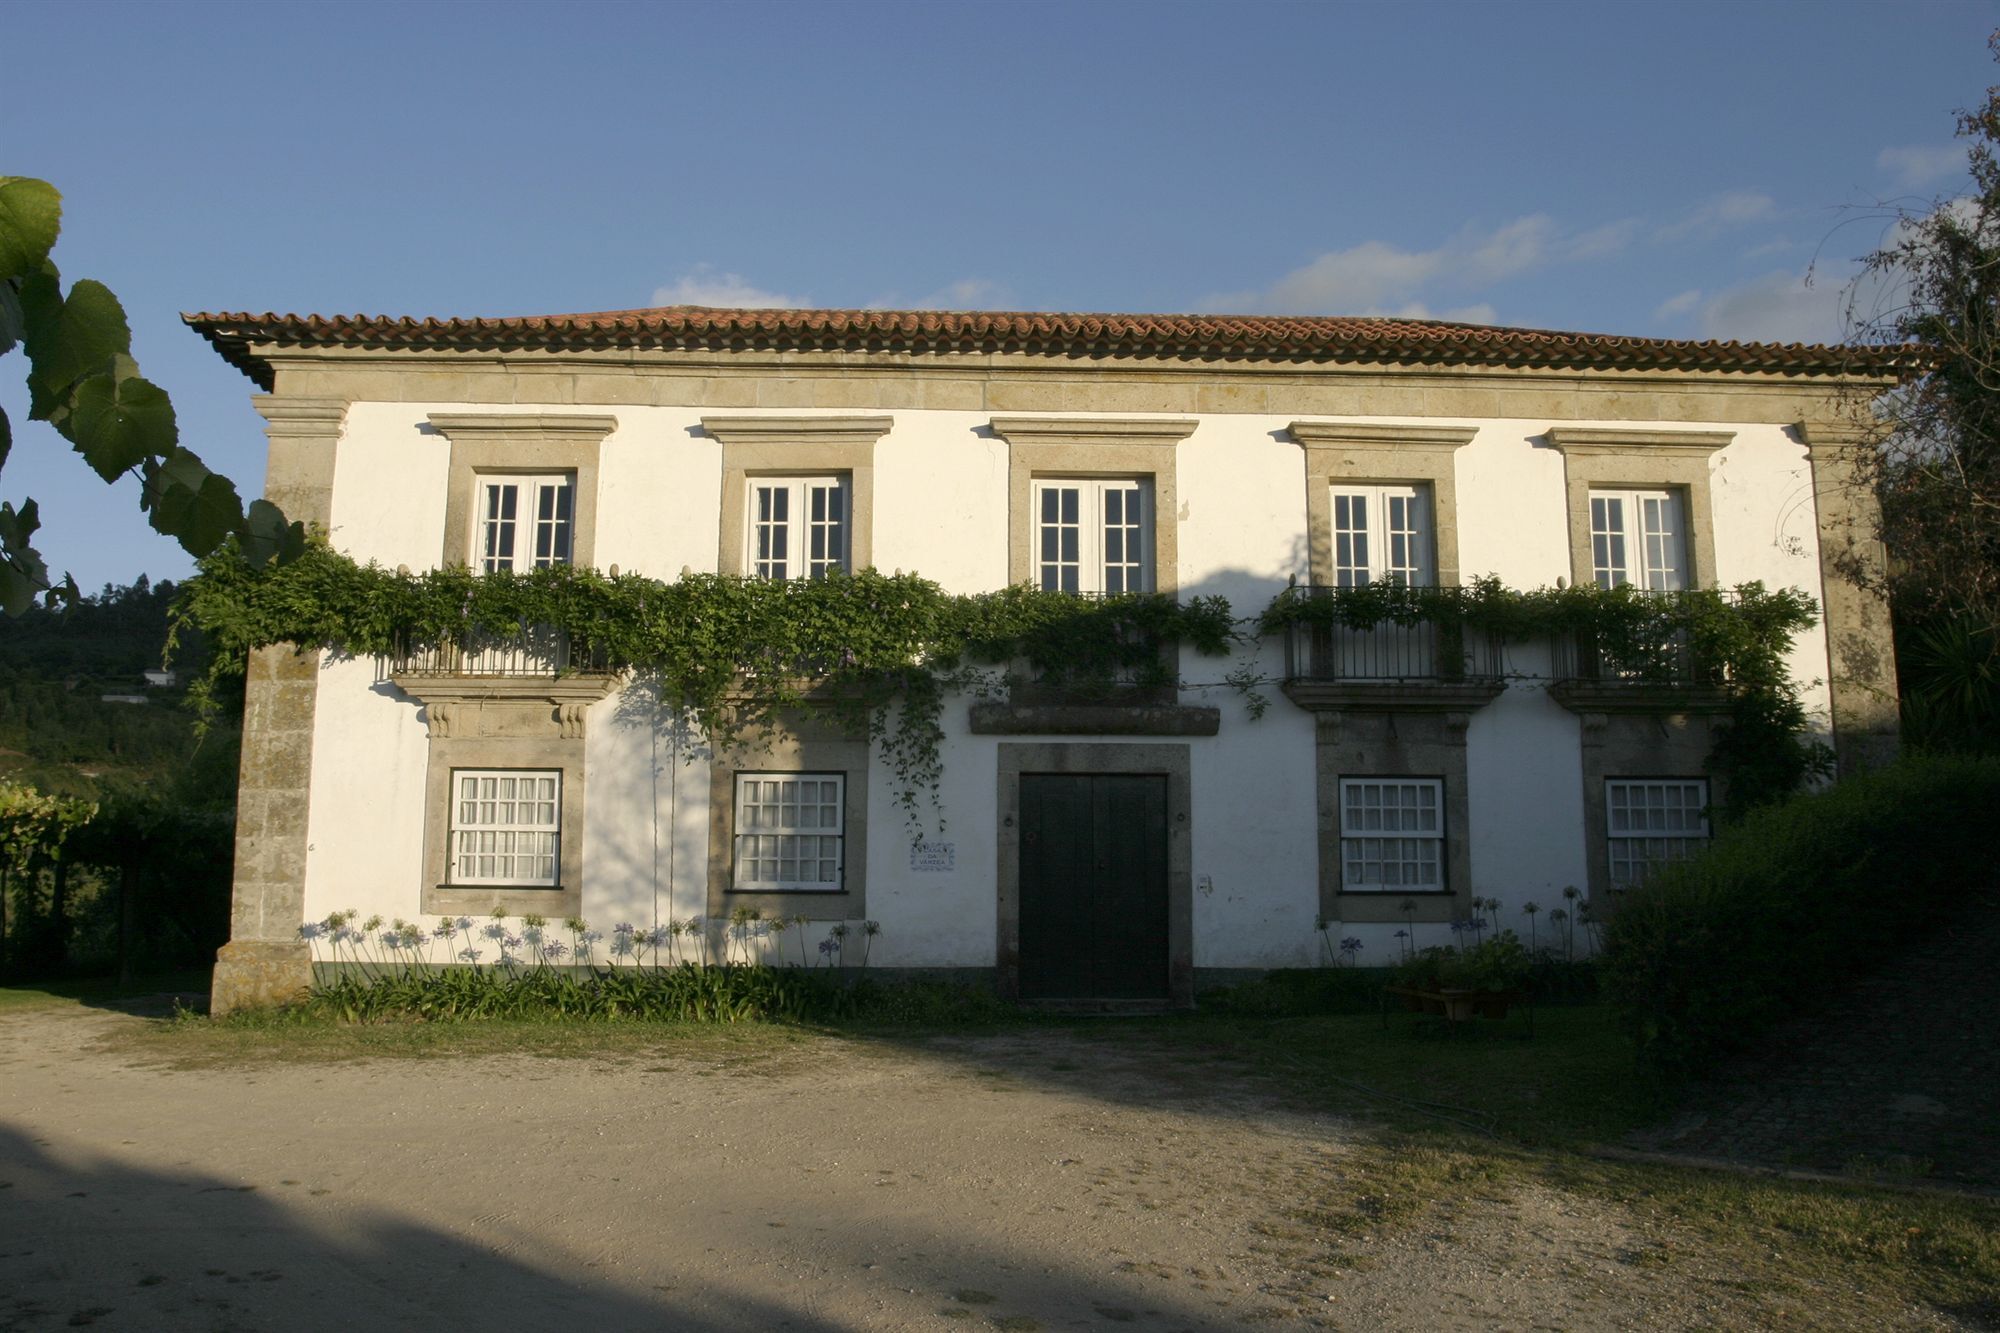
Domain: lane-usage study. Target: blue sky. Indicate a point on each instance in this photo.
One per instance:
(1673, 170)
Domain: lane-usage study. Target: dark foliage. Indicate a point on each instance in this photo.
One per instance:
(1791, 905)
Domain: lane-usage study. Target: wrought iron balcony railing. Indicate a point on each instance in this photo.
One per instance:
(1655, 647)
(1387, 652)
(534, 650)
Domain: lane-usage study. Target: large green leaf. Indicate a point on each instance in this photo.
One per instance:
(77, 339)
(30, 219)
(13, 323)
(118, 420)
(267, 537)
(196, 507)
(22, 573)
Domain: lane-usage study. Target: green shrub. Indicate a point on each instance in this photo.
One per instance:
(1785, 908)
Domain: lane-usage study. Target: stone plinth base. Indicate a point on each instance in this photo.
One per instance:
(251, 974)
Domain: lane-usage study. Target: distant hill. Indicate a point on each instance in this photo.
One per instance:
(57, 730)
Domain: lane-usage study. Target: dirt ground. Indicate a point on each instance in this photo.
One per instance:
(1037, 1180)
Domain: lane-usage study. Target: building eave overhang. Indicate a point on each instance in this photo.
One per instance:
(250, 342)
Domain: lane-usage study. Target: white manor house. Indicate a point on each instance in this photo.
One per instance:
(1113, 850)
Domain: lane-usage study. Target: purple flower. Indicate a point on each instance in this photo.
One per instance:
(554, 949)
(468, 955)
(624, 928)
(829, 947)
(1350, 945)
(310, 930)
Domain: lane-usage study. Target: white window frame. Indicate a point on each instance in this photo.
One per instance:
(540, 532)
(761, 832)
(494, 817)
(1099, 561)
(1674, 812)
(798, 532)
(1366, 838)
(1382, 531)
(1639, 537)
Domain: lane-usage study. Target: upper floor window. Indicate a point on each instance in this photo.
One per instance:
(1094, 536)
(524, 522)
(1382, 533)
(798, 527)
(1638, 538)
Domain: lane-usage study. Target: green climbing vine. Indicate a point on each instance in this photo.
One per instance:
(1734, 639)
(878, 650)
(883, 652)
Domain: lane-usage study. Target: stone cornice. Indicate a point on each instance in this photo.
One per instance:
(1093, 430)
(1348, 696)
(567, 696)
(1586, 440)
(1589, 698)
(313, 418)
(563, 427)
(1379, 435)
(1834, 435)
(798, 430)
(993, 719)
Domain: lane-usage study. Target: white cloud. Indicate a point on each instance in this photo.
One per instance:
(964, 294)
(1917, 165)
(1781, 306)
(1678, 305)
(1377, 278)
(702, 285)
(1735, 208)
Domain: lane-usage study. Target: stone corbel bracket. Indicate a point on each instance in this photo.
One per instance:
(524, 707)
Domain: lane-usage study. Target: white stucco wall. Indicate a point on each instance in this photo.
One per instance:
(940, 510)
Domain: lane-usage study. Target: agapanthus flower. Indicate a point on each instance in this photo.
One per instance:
(468, 955)
(1350, 945)
(310, 930)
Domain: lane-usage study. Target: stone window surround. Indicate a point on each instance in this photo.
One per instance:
(503, 723)
(1339, 452)
(1637, 743)
(1428, 744)
(498, 443)
(1138, 447)
(1170, 761)
(803, 745)
(796, 446)
(1624, 456)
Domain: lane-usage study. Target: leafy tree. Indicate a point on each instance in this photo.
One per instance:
(1937, 476)
(83, 381)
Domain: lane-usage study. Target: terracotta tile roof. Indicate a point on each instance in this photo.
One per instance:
(1208, 338)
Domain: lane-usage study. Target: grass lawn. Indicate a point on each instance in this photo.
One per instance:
(95, 990)
(1451, 1118)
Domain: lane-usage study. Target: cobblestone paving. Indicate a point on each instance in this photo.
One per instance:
(1900, 1079)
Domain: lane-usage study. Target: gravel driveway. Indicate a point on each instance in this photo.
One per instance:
(1031, 1180)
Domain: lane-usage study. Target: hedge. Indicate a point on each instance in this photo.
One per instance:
(1786, 908)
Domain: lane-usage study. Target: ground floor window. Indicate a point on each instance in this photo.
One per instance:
(1391, 835)
(505, 827)
(790, 832)
(1652, 821)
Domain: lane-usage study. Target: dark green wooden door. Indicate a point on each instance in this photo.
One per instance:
(1093, 886)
